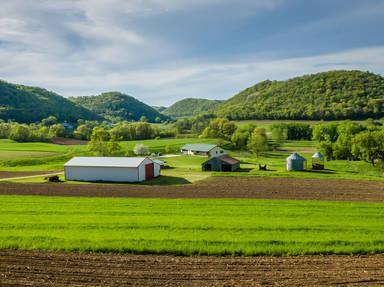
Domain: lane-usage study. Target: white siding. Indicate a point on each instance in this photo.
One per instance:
(216, 151)
(122, 174)
(156, 167)
(108, 173)
(142, 169)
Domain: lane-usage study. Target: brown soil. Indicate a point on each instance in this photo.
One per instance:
(33, 268)
(218, 187)
(11, 174)
(66, 141)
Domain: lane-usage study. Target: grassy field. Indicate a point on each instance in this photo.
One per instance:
(47, 157)
(212, 227)
(267, 123)
(184, 169)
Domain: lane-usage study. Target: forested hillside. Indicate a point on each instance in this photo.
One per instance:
(30, 104)
(190, 107)
(328, 96)
(116, 106)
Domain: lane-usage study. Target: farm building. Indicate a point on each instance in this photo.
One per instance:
(221, 163)
(119, 169)
(317, 161)
(210, 150)
(159, 162)
(296, 162)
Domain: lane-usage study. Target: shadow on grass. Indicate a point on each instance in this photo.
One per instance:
(322, 171)
(161, 180)
(166, 180)
(244, 169)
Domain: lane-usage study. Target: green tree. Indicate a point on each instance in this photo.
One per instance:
(257, 142)
(51, 120)
(114, 147)
(20, 133)
(83, 132)
(99, 141)
(369, 146)
(240, 139)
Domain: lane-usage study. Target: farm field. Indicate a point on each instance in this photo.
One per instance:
(95, 269)
(267, 123)
(46, 158)
(194, 226)
(217, 187)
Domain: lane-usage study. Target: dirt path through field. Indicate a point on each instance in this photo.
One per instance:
(217, 187)
(6, 175)
(28, 268)
(24, 175)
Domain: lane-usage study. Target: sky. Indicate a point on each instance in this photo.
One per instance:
(161, 51)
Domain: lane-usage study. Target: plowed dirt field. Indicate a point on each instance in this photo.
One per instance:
(33, 268)
(218, 187)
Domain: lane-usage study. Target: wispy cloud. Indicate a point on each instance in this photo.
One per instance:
(79, 47)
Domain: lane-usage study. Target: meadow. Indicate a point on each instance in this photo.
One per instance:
(184, 169)
(191, 226)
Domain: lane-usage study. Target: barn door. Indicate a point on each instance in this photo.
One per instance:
(226, 167)
(149, 171)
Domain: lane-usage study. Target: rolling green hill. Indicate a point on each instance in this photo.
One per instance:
(31, 104)
(116, 106)
(159, 108)
(190, 107)
(323, 96)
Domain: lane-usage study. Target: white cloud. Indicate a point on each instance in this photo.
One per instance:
(81, 47)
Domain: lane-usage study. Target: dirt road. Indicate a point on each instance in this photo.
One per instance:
(24, 175)
(218, 187)
(26, 268)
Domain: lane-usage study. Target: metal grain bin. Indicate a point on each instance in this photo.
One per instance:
(295, 162)
(317, 161)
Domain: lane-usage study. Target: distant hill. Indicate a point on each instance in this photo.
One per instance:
(159, 108)
(31, 104)
(116, 106)
(190, 107)
(323, 96)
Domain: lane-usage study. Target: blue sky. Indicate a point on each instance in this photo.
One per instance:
(160, 51)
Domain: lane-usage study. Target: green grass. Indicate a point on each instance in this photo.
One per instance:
(10, 155)
(267, 123)
(160, 144)
(186, 227)
(185, 169)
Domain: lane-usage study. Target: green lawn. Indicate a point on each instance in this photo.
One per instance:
(191, 226)
(185, 169)
(160, 144)
(267, 123)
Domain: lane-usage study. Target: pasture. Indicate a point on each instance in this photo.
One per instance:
(191, 226)
(184, 169)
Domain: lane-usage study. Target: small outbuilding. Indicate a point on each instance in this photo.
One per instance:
(296, 162)
(317, 161)
(221, 163)
(112, 169)
(160, 163)
(210, 150)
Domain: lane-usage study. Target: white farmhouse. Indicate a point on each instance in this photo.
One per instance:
(209, 150)
(115, 169)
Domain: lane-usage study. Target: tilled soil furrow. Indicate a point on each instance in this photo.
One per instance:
(34, 268)
(219, 187)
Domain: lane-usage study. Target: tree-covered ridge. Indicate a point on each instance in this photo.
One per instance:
(191, 107)
(116, 106)
(31, 104)
(328, 96)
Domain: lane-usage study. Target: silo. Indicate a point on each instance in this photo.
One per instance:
(295, 162)
(317, 161)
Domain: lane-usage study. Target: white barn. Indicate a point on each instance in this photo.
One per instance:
(117, 169)
(210, 150)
